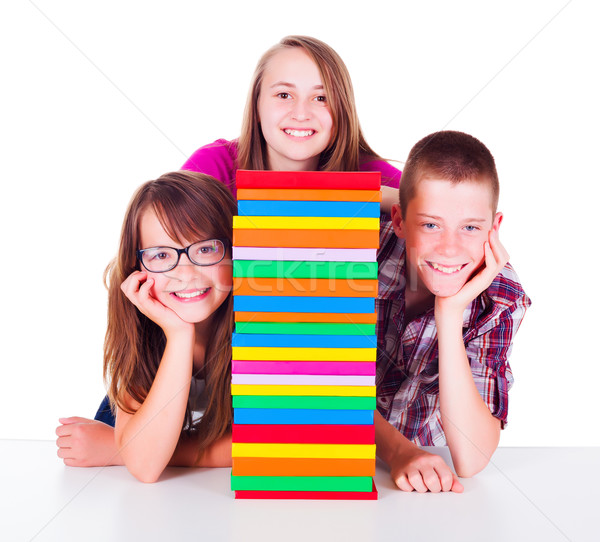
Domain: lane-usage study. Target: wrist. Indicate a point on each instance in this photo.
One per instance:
(185, 332)
(446, 310)
(391, 443)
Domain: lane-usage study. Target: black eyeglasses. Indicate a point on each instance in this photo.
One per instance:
(163, 259)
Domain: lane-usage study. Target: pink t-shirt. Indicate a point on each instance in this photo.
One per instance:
(219, 159)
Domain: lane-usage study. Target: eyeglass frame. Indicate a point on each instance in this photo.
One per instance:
(139, 253)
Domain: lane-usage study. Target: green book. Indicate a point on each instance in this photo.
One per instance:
(304, 270)
(307, 402)
(301, 483)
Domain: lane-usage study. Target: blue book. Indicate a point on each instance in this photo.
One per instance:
(255, 303)
(308, 208)
(292, 416)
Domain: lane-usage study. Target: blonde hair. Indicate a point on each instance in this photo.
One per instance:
(347, 141)
(188, 205)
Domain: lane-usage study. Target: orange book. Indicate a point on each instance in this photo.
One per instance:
(306, 238)
(301, 466)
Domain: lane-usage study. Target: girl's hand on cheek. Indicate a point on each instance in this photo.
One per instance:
(138, 289)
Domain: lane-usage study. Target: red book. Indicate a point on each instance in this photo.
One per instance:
(327, 180)
(304, 434)
(321, 495)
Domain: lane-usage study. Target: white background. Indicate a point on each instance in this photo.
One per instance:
(98, 97)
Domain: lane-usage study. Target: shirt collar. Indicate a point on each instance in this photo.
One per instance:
(392, 265)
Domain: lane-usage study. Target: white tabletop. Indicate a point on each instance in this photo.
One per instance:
(528, 494)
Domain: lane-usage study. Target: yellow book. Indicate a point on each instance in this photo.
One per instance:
(305, 223)
(341, 451)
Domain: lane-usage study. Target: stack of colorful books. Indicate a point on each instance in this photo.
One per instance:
(304, 347)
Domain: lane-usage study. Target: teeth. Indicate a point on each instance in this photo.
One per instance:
(299, 133)
(445, 269)
(189, 295)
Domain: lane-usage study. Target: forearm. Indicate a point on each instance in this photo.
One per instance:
(103, 441)
(148, 438)
(389, 442)
(472, 433)
(218, 454)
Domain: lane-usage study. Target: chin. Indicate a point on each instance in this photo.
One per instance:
(445, 290)
(196, 319)
(303, 156)
(190, 318)
(446, 293)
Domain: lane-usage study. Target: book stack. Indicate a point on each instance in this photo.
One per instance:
(304, 347)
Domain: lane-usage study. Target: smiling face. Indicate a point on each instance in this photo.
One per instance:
(293, 112)
(193, 292)
(445, 229)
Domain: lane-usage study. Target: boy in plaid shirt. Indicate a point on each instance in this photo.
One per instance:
(449, 306)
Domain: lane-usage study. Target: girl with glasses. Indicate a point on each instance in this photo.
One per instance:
(167, 349)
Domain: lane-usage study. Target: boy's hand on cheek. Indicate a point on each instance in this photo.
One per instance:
(137, 287)
(418, 470)
(495, 258)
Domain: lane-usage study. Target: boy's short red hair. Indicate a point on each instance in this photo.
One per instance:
(452, 156)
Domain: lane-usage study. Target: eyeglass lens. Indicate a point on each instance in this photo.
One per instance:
(159, 259)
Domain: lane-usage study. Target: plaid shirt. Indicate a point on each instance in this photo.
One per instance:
(407, 352)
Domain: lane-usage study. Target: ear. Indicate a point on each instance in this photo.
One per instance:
(497, 221)
(397, 222)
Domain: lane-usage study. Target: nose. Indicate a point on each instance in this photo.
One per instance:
(184, 270)
(300, 111)
(449, 244)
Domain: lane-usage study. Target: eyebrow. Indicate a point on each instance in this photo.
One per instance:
(434, 217)
(291, 85)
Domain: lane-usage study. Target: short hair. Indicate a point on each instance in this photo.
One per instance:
(452, 156)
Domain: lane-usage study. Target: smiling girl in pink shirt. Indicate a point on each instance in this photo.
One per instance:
(300, 116)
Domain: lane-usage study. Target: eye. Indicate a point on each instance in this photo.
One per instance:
(283, 95)
(321, 99)
(430, 226)
(471, 228)
(160, 256)
(207, 249)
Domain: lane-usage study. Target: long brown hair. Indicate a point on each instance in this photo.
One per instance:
(188, 205)
(347, 141)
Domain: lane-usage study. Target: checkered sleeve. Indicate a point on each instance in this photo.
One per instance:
(489, 349)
